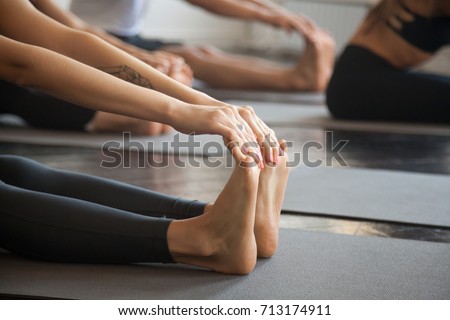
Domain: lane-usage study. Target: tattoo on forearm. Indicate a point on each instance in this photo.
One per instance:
(126, 73)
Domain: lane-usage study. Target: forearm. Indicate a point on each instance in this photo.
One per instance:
(50, 9)
(83, 47)
(231, 8)
(70, 80)
(256, 10)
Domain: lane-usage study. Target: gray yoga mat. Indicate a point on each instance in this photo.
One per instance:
(308, 115)
(274, 114)
(370, 194)
(308, 265)
(293, 97)
(205, 145)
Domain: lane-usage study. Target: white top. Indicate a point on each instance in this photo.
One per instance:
(121, 17)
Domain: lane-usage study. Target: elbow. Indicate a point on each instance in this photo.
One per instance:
(22, 68)
(20, 71)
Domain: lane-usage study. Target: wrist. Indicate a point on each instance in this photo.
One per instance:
(173, 112)
(203, 99)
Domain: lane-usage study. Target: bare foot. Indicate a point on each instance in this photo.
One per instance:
(222, 238)
(271, 188)
(315, 66)
(108, 122)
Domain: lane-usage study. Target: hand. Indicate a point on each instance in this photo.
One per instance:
(391, 12)
(170, 64)
(224, 120)
(264, 135)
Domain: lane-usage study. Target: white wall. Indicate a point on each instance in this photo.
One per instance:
(177, 20)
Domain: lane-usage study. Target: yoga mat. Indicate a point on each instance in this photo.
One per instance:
(308, 115)
(308, 265)
(380, 195)
(205, 145)
(260, 95)
(274, 114)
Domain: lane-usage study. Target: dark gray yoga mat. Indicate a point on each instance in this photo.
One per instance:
(308, 265)
(205, 145)
(294, 97)
(307, 115)
(370, 194)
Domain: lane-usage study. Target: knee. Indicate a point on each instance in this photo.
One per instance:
(10, 163)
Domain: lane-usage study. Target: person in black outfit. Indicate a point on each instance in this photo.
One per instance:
(62, 216)
(372, 79)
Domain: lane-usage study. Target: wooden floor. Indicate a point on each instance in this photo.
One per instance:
(411, 153)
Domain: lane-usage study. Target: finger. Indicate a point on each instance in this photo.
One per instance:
(245, 162)
(270, 134)
(248, 134)
(249, 117)
(395, 23)
(283, 147)
(270, 142)
(235, 139)
(405, 16)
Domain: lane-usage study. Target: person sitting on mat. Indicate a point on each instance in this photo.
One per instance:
(62, 115)
(125, 18)
(373, 80)
(62, 216)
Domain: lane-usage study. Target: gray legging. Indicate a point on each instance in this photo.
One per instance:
(64, 216)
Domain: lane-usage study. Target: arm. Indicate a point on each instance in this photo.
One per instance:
(256, 10)
(67, 79)
(49, 8)
(85, 47)
(164, 62)
(96, 53)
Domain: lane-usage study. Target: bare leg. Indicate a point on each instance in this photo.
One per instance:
(226, 70)
(222, 238)
(108, 122)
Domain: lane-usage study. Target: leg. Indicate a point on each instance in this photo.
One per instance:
(42, 111)
(57, 228)
(109, 122)
(225, 70)
(45, 112)
(222, 239)
(60, 228)
(364, 86)
(31, 175)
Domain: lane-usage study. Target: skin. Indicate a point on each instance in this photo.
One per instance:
(173, 98)
(374, 35)
(311, 73)
(227, 230)
(239, 227)
(225, 70)
(172, 65)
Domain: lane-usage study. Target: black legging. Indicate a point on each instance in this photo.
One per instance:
(64, 216)
(146, 43)
(364, 86)
(42, 111)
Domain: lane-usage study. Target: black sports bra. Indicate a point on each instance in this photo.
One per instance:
(428, 34)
